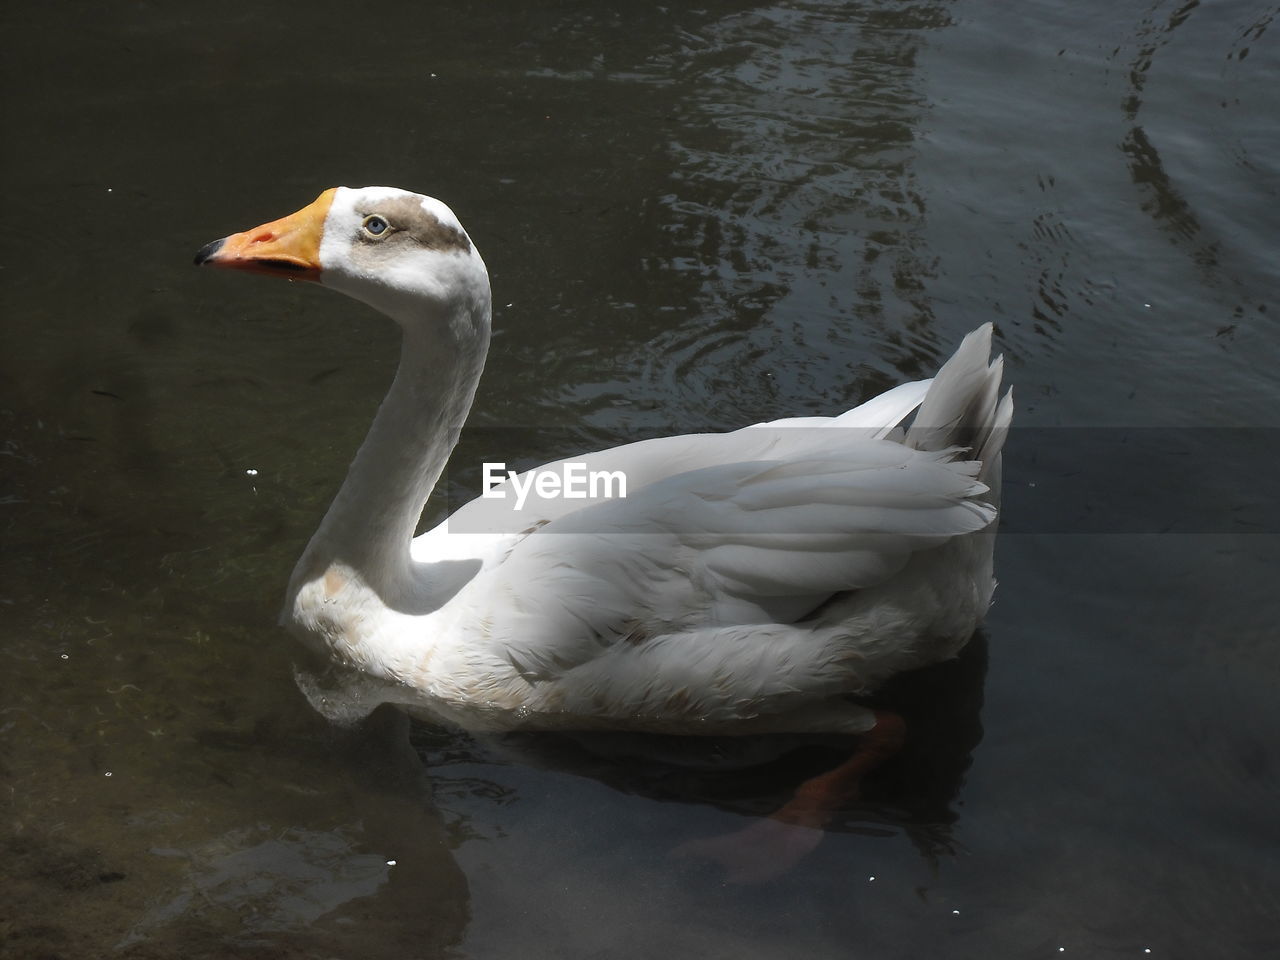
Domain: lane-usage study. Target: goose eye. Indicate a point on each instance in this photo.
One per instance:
(375, 226)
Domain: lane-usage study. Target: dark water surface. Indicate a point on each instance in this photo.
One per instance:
(695, 218)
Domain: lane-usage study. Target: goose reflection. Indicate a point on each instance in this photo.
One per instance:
(914, 794)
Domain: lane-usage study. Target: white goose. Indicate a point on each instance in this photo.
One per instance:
(748, 582)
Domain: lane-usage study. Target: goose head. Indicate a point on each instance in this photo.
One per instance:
(402, 253)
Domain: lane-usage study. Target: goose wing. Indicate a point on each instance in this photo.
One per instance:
(749, 542)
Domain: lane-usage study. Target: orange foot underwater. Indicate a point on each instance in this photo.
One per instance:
(769, 848)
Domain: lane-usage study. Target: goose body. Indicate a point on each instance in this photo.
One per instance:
(747, 582)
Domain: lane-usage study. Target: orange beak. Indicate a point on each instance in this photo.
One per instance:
(287, 247)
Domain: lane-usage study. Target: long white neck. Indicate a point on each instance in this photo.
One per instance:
(366, 533)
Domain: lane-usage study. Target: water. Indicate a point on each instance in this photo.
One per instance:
(694, 218)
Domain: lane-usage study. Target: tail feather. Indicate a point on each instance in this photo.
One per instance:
(989, 452)
(963, 407)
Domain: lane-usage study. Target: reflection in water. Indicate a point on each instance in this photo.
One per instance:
(1166, 204)
(1151, 38)
(786, 227)
(278, 884)
(807, 208)
(1163, 198)
(913, 793)
(362, 870)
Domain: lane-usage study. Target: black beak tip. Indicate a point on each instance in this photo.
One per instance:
(208, 252)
